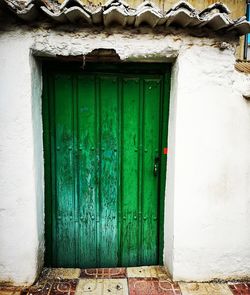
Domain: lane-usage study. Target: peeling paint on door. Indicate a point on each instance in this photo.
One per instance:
(105, 169)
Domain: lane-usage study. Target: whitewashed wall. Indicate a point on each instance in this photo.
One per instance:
(207, 225)
(21, 169)
(209, 174)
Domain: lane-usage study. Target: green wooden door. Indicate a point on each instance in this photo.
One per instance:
(104, 137)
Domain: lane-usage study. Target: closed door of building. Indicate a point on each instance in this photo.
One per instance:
(105, 141)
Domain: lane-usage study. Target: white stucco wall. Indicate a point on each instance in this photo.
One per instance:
(211, 168)
(21, 169)
(207, 228)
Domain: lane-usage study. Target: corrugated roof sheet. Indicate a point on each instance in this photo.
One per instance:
(182, 14)
(243, 66)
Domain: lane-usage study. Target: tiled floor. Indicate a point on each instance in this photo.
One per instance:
(204, 288)
(146, 280)
(240, 289)
(10, 290)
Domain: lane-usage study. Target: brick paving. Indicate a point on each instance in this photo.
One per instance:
(145, 280)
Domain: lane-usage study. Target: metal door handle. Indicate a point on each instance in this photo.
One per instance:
(156, 166)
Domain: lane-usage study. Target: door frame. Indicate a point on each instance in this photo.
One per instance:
(115, 68)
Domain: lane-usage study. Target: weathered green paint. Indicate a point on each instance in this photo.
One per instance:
(103, 133)
(88, 169)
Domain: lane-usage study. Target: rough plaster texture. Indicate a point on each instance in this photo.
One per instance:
(211, 168)
(207, 231)
(21, 172)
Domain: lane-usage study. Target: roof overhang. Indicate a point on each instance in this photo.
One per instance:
(214, 18)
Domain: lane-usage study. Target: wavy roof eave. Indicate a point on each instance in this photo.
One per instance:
(214, 18)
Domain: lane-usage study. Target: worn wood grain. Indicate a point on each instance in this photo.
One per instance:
(104, 202)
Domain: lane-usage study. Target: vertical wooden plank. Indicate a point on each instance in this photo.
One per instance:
(129, 173)
(65, 185)
(150, 181)
(119, 184)
(87, 165)
(140, 171)
(109, 173)
(76, 164)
